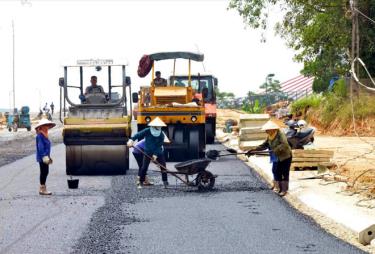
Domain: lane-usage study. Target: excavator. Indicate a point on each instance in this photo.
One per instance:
(175, 105)
(97, 124)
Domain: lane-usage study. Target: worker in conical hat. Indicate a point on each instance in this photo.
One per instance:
(153, 148)
(280, 154)
(43, 152)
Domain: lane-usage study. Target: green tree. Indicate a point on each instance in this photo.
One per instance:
(318, 30)
(273, 86)
(224, 99)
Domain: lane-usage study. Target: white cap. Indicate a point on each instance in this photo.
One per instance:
(157, 122)
(45, 121)
(270, 126)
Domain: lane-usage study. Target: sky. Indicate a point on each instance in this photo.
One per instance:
(51, 33)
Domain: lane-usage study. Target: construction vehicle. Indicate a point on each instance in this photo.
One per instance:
(97, 127)
(173, 104)
(19, 119)
(206, 86)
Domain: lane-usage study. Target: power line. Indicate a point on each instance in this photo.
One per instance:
(364, 15)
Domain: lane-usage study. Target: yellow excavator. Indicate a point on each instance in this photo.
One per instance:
(97, 124)
(175, 105)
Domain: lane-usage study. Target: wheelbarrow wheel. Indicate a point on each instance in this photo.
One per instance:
(205, 181)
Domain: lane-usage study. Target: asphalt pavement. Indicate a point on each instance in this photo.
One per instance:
(110, 215)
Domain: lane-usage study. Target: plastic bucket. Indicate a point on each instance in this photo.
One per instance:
(73, 183)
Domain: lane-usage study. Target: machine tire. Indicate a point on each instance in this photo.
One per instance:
(194, 147)
(28, 128)
(205, 181)
(9, 129)
(210, 130)
(210, 136)
(178, 138)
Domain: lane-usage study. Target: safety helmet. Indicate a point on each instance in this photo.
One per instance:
(301, 123)
(290, 123)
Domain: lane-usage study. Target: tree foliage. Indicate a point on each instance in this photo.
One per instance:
(318, 30)
(272, 86)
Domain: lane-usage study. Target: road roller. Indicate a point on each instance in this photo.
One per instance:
(95, 109)
(175, 104)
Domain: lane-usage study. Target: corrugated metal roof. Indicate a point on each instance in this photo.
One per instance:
(298, 87)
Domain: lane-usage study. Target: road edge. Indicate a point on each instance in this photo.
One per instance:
(320, 219)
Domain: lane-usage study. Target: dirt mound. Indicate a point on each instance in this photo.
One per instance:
(365, 127)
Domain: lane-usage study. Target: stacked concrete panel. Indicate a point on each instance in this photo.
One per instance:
(250, 127)
(311, 158)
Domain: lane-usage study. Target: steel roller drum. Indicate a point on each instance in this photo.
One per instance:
(96, 159)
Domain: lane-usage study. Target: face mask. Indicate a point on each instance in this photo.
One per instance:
(155, 131)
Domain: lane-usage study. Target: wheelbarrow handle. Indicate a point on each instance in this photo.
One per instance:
(154, 161)
(253, 153)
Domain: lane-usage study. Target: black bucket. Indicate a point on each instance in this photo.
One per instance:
(73, 183)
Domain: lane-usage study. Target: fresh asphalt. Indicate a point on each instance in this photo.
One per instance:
(110, 215)
(241, 215)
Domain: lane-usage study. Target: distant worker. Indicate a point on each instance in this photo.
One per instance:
(205, 94)
(277, 143)
(154, 140)
(94, 88)
(43, 152)
(45, 107)
(52, 108)
(159, 81)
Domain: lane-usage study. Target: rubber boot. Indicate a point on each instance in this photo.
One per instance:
(43, 190)
(277, 187)
(165, 184)
(284, 188)
(147, 182)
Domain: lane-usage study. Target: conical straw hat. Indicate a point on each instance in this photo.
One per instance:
(157, 122)
(45, 121)
(270, 126)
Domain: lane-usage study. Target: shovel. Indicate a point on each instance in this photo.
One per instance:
(73, 183)
(214, 154)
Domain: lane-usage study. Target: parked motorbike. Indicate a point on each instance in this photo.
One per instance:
(299, 134)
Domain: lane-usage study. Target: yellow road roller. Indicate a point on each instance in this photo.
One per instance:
(96, 114)
(175, 105)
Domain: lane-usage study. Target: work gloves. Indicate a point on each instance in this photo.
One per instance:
(154, 157)
(130, 143)
(47, 160)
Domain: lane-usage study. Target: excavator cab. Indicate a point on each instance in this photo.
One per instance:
(97, 125)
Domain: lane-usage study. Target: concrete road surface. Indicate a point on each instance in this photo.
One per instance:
(109, 215)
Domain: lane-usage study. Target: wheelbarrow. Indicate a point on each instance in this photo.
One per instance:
(215, 154)
(203, 179)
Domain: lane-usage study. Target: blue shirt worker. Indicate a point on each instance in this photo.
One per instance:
(43, 152)
(138, 155)
(154, 140)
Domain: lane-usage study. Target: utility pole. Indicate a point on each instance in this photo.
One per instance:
(14, 83)
(355, 41)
